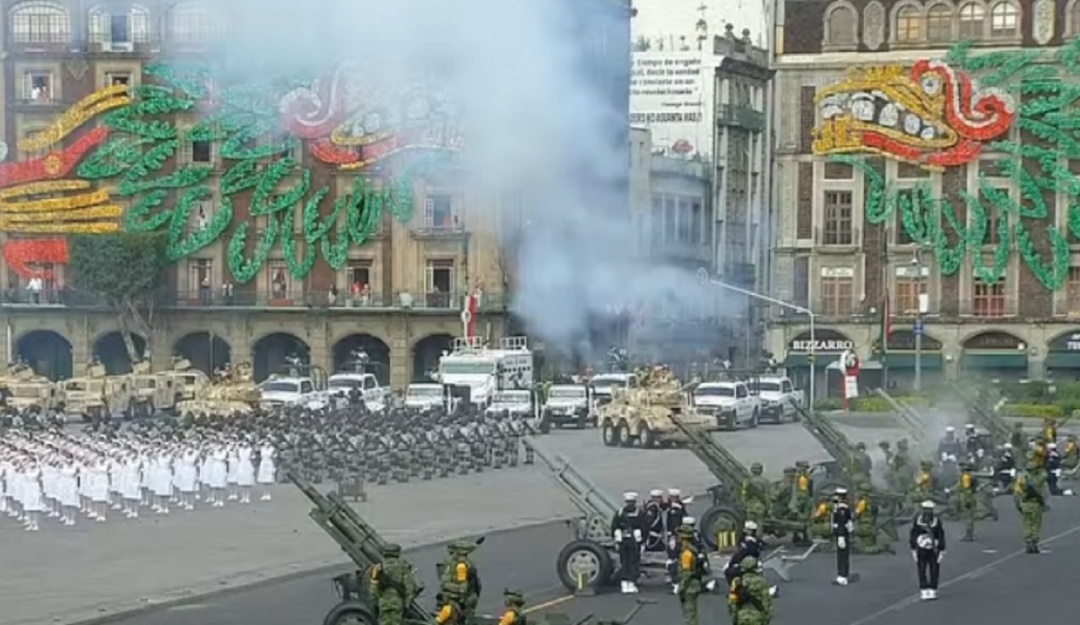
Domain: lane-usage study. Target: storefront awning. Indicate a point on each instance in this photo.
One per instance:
(906, 360)
(1063, 360)
(796, 360)
(994, 359)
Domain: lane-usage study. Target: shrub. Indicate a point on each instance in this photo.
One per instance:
(1033, 411)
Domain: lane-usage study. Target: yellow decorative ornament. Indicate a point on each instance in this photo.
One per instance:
(54, 164)
(76, 228)
(84, 110)
(42, 188)
(112, 211)
(56, 204)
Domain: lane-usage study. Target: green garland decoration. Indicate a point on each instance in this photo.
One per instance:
(1049, 111)
(140, 159)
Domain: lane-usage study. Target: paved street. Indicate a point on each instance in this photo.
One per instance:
(980, 583)
(95, 570)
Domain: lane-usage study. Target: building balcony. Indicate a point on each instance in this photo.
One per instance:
(741, 117)
(454, 230)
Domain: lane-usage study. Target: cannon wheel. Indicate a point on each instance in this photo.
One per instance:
(584, 562)
(611, 434)
(718, 519)
(350, 613)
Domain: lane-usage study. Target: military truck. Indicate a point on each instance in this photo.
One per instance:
(153, 392)
(642, 415)
(24, 390)
(189, 380)
(95, 395)
(231, 391)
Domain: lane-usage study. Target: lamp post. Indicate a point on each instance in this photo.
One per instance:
(921, 308)
(788, 305)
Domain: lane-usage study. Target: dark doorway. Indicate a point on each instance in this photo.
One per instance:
(426, 354)
(207, 352)
(47, 352)
(378, 354)
(270, 354)
(110, 351)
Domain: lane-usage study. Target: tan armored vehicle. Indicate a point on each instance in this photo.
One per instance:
(96, 395)
(231, 391)
(642, 415)
(153, 392)
(25, 389)
(188, 379)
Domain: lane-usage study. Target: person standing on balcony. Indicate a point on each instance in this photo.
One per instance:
(34, 288)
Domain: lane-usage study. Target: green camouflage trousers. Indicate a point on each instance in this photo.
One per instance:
(391, 615)
(755, 511)
(689, 603)
(967, 511)
(749, 616)
(1031, 516)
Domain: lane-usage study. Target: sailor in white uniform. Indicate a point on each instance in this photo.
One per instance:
(99, 495)
(31, 495)
(187, 477)
(232, 474)
(245, 475)
(161, 483)
(267, 470)
(68, 490)
(219, 473)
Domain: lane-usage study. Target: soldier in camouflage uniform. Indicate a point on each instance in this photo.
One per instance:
(866, 523)
(902, 469)
(1031, 496)
(392, 586)
(460, 577)
(755, 495)
(783, 494)
(924, 486)
(749, 599)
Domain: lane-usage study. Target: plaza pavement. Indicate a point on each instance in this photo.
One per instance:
(66, 575)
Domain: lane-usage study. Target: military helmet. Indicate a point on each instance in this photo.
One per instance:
(749, 563)
(902, 443)
(926, 465)
(861, 446)
(514, 597)
(461, 547)
(686, 531)
(756, 468)
(802, 464)
(883, 444)
(790, 471)
(391, 550)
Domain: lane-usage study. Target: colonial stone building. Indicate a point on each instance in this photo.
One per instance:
(397, 289)
(912, 180)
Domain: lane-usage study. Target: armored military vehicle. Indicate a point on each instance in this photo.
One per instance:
(232, 390)
(95, 395)
(188, 379)
(642, 415)
(25, 389)
(153, 392)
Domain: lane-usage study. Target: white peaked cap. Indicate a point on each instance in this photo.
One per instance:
(1051, 445)
(630, 496)
(674, 492)
(970, 426)
(841, 491)
(928, 505)
(688, 520)
(950, 429)
(750, 525)
(656, 492)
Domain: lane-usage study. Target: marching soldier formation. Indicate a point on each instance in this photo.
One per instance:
(164, 465)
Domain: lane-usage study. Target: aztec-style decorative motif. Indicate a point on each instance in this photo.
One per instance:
(135, 158)
(930, 114)
(935, 115)
(873, 25)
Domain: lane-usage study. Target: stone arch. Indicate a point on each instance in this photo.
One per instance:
(109, 349)
(941, 10)
(426, 353)
(976, 14)
(48, 352)
(269, 353)
(378, 352)
(906, 7)
(837, 31)
(206, 351)
(1072, 18)
(39, 21)
(971, 336)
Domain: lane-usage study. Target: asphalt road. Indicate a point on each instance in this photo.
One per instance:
(989, 581)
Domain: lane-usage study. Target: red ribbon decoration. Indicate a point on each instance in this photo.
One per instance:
(19, 254)
(53, 166)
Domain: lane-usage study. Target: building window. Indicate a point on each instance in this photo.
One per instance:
(1004, 20)
(40, 22)
(358, 274)
(972, 21)
(838, 227)
(120, 29)
(840, 26)
(440, 283)
(989, 299)
(909, 22)
(837, 295)
(200, 284)
(277, 272)
(202, 152)
(193, 23)
(37, 87)
(908, 288)
(696, 214)
(440, 213)
(116, 79)
(1072, 292)
(939, 24)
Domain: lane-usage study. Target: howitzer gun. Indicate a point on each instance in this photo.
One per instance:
(909, 418)
(721, 523)
(363, 545)
(982, 407)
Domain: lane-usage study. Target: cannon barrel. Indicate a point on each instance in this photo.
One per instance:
(359, 540)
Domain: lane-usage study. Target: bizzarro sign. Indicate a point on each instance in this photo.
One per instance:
(824, 341)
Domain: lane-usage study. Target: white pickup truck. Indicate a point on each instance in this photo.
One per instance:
(292, 391)
(373, 394)
(731, 403)
(776, 394)
(424, 396)
(515, 403)
(570, 404)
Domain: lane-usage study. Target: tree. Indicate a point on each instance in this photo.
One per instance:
(125, 270)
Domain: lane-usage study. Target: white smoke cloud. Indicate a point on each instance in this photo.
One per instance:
(536, 125)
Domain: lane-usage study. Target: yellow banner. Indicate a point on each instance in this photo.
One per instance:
(84, 110)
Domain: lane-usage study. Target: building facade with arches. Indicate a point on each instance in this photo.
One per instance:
(912, 194)
(301, 222)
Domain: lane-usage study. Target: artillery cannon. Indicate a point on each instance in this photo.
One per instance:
(909, 419)
(590, 561)
(982, 405)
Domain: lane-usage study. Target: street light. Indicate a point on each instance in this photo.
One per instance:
(922, 307)
(772, 300)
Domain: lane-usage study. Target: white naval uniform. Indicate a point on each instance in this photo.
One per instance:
(245, 474)
(67, 491)
(161, 482)
(99, 488)
(187, 473)
(218, 468)
(266, 465)
(31, 491)
(132, 479)
(232, 475)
